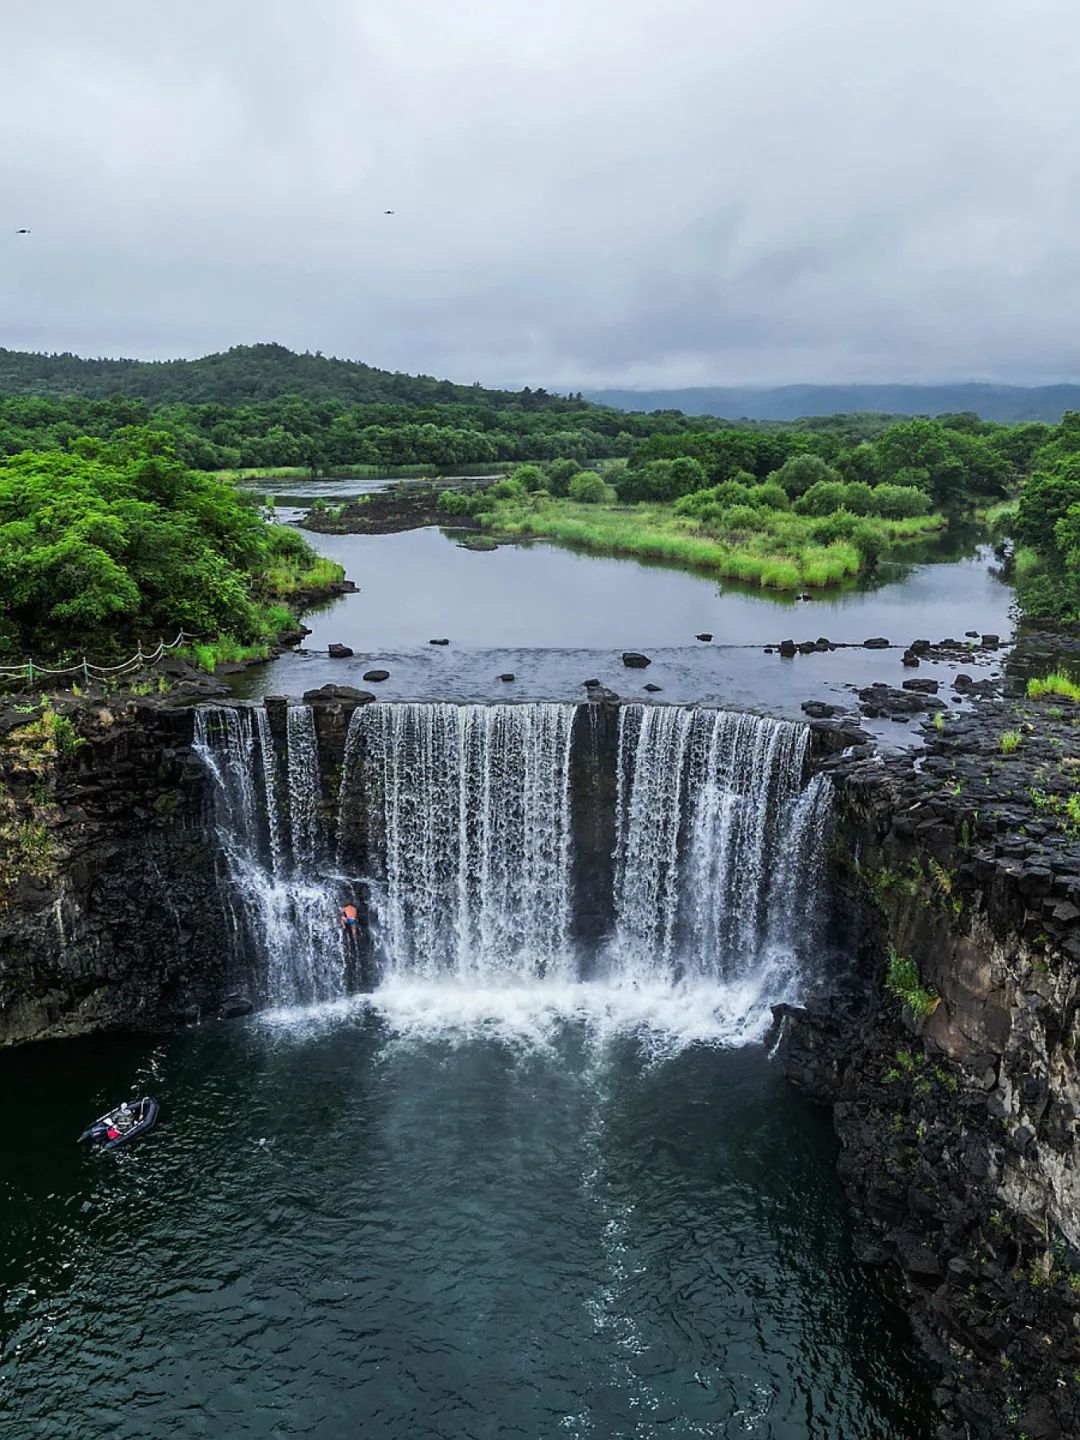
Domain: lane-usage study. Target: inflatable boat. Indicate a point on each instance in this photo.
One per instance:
(122, 1124)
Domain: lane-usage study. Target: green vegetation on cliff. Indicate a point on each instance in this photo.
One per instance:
(112, 540)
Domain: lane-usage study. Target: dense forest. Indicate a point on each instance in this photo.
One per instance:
(1008, 404)
(107, 541)
(329, 434)
(246, 375)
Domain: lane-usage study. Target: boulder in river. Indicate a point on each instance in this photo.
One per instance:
(376, 675)
(787, 648)
(652, 689)
(339, 652)
(508, 676)
(876, 642)
(634, 660)
(703, 636)
(438, 642)
(234, 1006)
(337, 695)
(925, 687)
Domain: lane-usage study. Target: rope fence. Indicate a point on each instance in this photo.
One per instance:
(31, 672)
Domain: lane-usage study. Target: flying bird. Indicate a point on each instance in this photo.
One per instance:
(388, 212)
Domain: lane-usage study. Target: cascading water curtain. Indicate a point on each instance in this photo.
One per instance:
(269, 828)
(465, 814)
(715, 831)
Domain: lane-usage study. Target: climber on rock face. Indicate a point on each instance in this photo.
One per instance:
(350, 921)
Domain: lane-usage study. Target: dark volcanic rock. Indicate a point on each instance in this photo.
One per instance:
(881, 700)
(598, 694)
(438, 642)
(508, 676)
(924, 687)
(337, 695)
(703, 637)
(634, 660)
(958, 1129)
(821, 710)
(652, 689)
(877, 642)
(339, 652)
(787, 648)
(376, 675)
(235, 1006)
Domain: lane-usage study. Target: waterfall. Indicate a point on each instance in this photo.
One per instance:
(466, 826)
(285, 913)
(302, 769)
(665, 858)
(715, 833)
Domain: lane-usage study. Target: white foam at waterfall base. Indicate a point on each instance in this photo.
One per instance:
(662, 1018)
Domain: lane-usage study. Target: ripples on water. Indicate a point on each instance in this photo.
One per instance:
(494, 1214)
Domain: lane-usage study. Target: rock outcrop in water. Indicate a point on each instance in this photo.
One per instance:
(957, 1110)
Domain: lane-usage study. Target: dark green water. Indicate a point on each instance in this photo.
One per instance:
(454, 1235)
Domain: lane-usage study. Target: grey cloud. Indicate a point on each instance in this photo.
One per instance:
(604, 193)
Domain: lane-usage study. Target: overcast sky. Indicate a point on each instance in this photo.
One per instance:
(586, 192)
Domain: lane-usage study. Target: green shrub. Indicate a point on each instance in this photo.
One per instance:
(506, 489)
(559, 475)
(899, 502)
(840, 525)
(769, 496)
(800, 472)
(529, 477)
(587, 488)
(454, 502)
(868, 539)
(1010, 742)
(743, 517)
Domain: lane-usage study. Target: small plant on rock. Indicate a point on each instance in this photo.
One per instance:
(1010, 742)
(904, 983)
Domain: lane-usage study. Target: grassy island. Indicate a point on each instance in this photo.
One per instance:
(775, 549)
(802, 526)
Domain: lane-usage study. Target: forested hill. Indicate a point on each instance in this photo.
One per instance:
(1007, 404)
(247, 375)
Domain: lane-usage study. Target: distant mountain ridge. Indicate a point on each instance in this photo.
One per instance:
(1004, 403)
(246, 375)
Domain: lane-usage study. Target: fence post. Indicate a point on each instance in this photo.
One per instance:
(30, 668)
(85, 673)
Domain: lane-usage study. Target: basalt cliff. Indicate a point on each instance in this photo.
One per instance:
(950, 1056)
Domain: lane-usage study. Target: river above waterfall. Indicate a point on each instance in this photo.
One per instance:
(472, 1224)
(553, 617)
